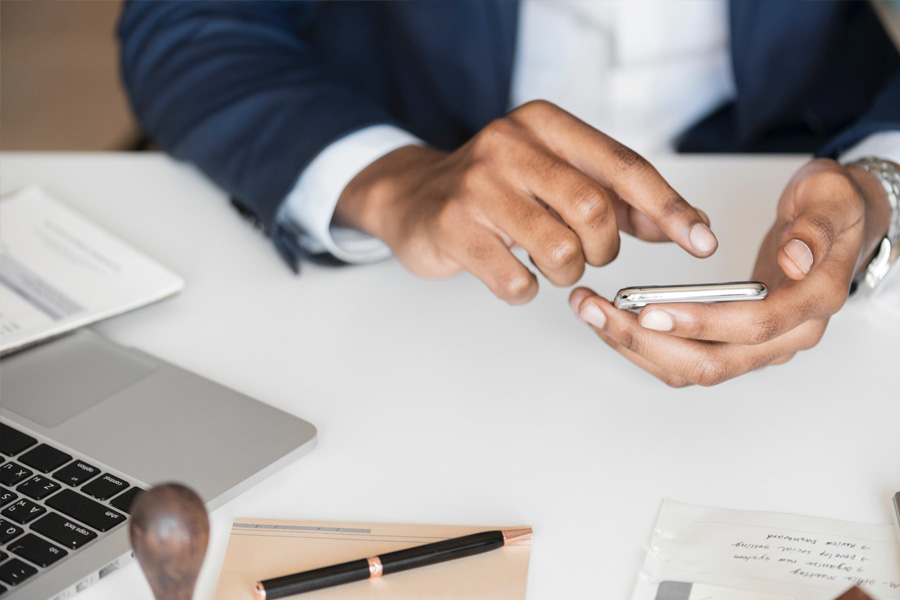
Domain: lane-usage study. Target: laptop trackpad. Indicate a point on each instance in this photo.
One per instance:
(51, 383)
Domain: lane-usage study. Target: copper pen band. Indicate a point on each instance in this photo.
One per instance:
(375, 567)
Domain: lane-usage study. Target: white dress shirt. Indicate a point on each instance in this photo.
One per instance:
(641, 72)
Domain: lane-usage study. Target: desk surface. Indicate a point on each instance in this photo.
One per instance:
(437, 403)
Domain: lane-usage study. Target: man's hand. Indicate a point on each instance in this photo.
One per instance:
(828, 223)
(538, 178)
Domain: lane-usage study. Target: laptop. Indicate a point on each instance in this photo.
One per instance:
(85, 424)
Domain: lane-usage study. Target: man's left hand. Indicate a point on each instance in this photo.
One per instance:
(828, 224)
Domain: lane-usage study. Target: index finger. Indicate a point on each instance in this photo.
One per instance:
(627, 173)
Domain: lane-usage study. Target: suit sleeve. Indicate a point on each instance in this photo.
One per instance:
(884, 115)
(234, 88)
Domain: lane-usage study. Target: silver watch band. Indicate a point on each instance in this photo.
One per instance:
(889, 248)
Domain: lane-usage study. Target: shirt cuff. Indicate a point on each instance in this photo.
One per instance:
(310, 205)
(884, 145)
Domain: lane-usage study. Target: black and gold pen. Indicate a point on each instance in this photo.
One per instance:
(385, 564)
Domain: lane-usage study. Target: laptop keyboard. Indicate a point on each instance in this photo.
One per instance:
(51, 505)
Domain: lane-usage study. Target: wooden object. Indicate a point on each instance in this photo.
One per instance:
(169, 533)
(854, 593)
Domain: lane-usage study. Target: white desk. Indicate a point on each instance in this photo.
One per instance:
(437, 403)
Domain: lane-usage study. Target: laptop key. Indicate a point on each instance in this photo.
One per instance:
(15, 571)
(6, 496)
(63, 531)
(104, 488)
(45, 458)
(23, 511)
(124, 501)
(13, 441)
(8, 531)
(37, 551)
(11, 473)
(38, 487)
(76, 473)
(81, 508)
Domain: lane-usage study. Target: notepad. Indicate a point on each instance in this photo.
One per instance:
(261, 549)
(750, 555)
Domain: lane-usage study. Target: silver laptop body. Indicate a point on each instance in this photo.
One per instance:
(136, 419)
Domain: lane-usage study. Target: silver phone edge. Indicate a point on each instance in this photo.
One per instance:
(632, 298)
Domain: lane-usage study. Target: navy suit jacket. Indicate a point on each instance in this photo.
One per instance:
(252, 91)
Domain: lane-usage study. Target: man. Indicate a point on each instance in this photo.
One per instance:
(393, 119)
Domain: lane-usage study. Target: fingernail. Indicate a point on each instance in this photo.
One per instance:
(800, 254)
(657, 320)
(702, 239)
(593, 315)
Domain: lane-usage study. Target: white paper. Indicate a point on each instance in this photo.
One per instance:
(804, 558)
(59, 271)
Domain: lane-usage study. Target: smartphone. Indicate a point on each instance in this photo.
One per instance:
(636, 298)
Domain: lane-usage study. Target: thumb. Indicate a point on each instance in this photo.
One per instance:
(805, 242)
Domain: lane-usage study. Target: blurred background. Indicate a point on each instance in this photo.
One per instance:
(59, 75)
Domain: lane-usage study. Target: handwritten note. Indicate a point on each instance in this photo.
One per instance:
(804, 558)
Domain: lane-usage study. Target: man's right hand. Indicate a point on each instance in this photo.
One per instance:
(537, 178)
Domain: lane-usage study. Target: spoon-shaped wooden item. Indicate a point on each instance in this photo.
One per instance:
(169, 533)
(854, 593)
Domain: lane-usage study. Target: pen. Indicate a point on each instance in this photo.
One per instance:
(385, 564)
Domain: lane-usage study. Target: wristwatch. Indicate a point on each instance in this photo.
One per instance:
(889, 248)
